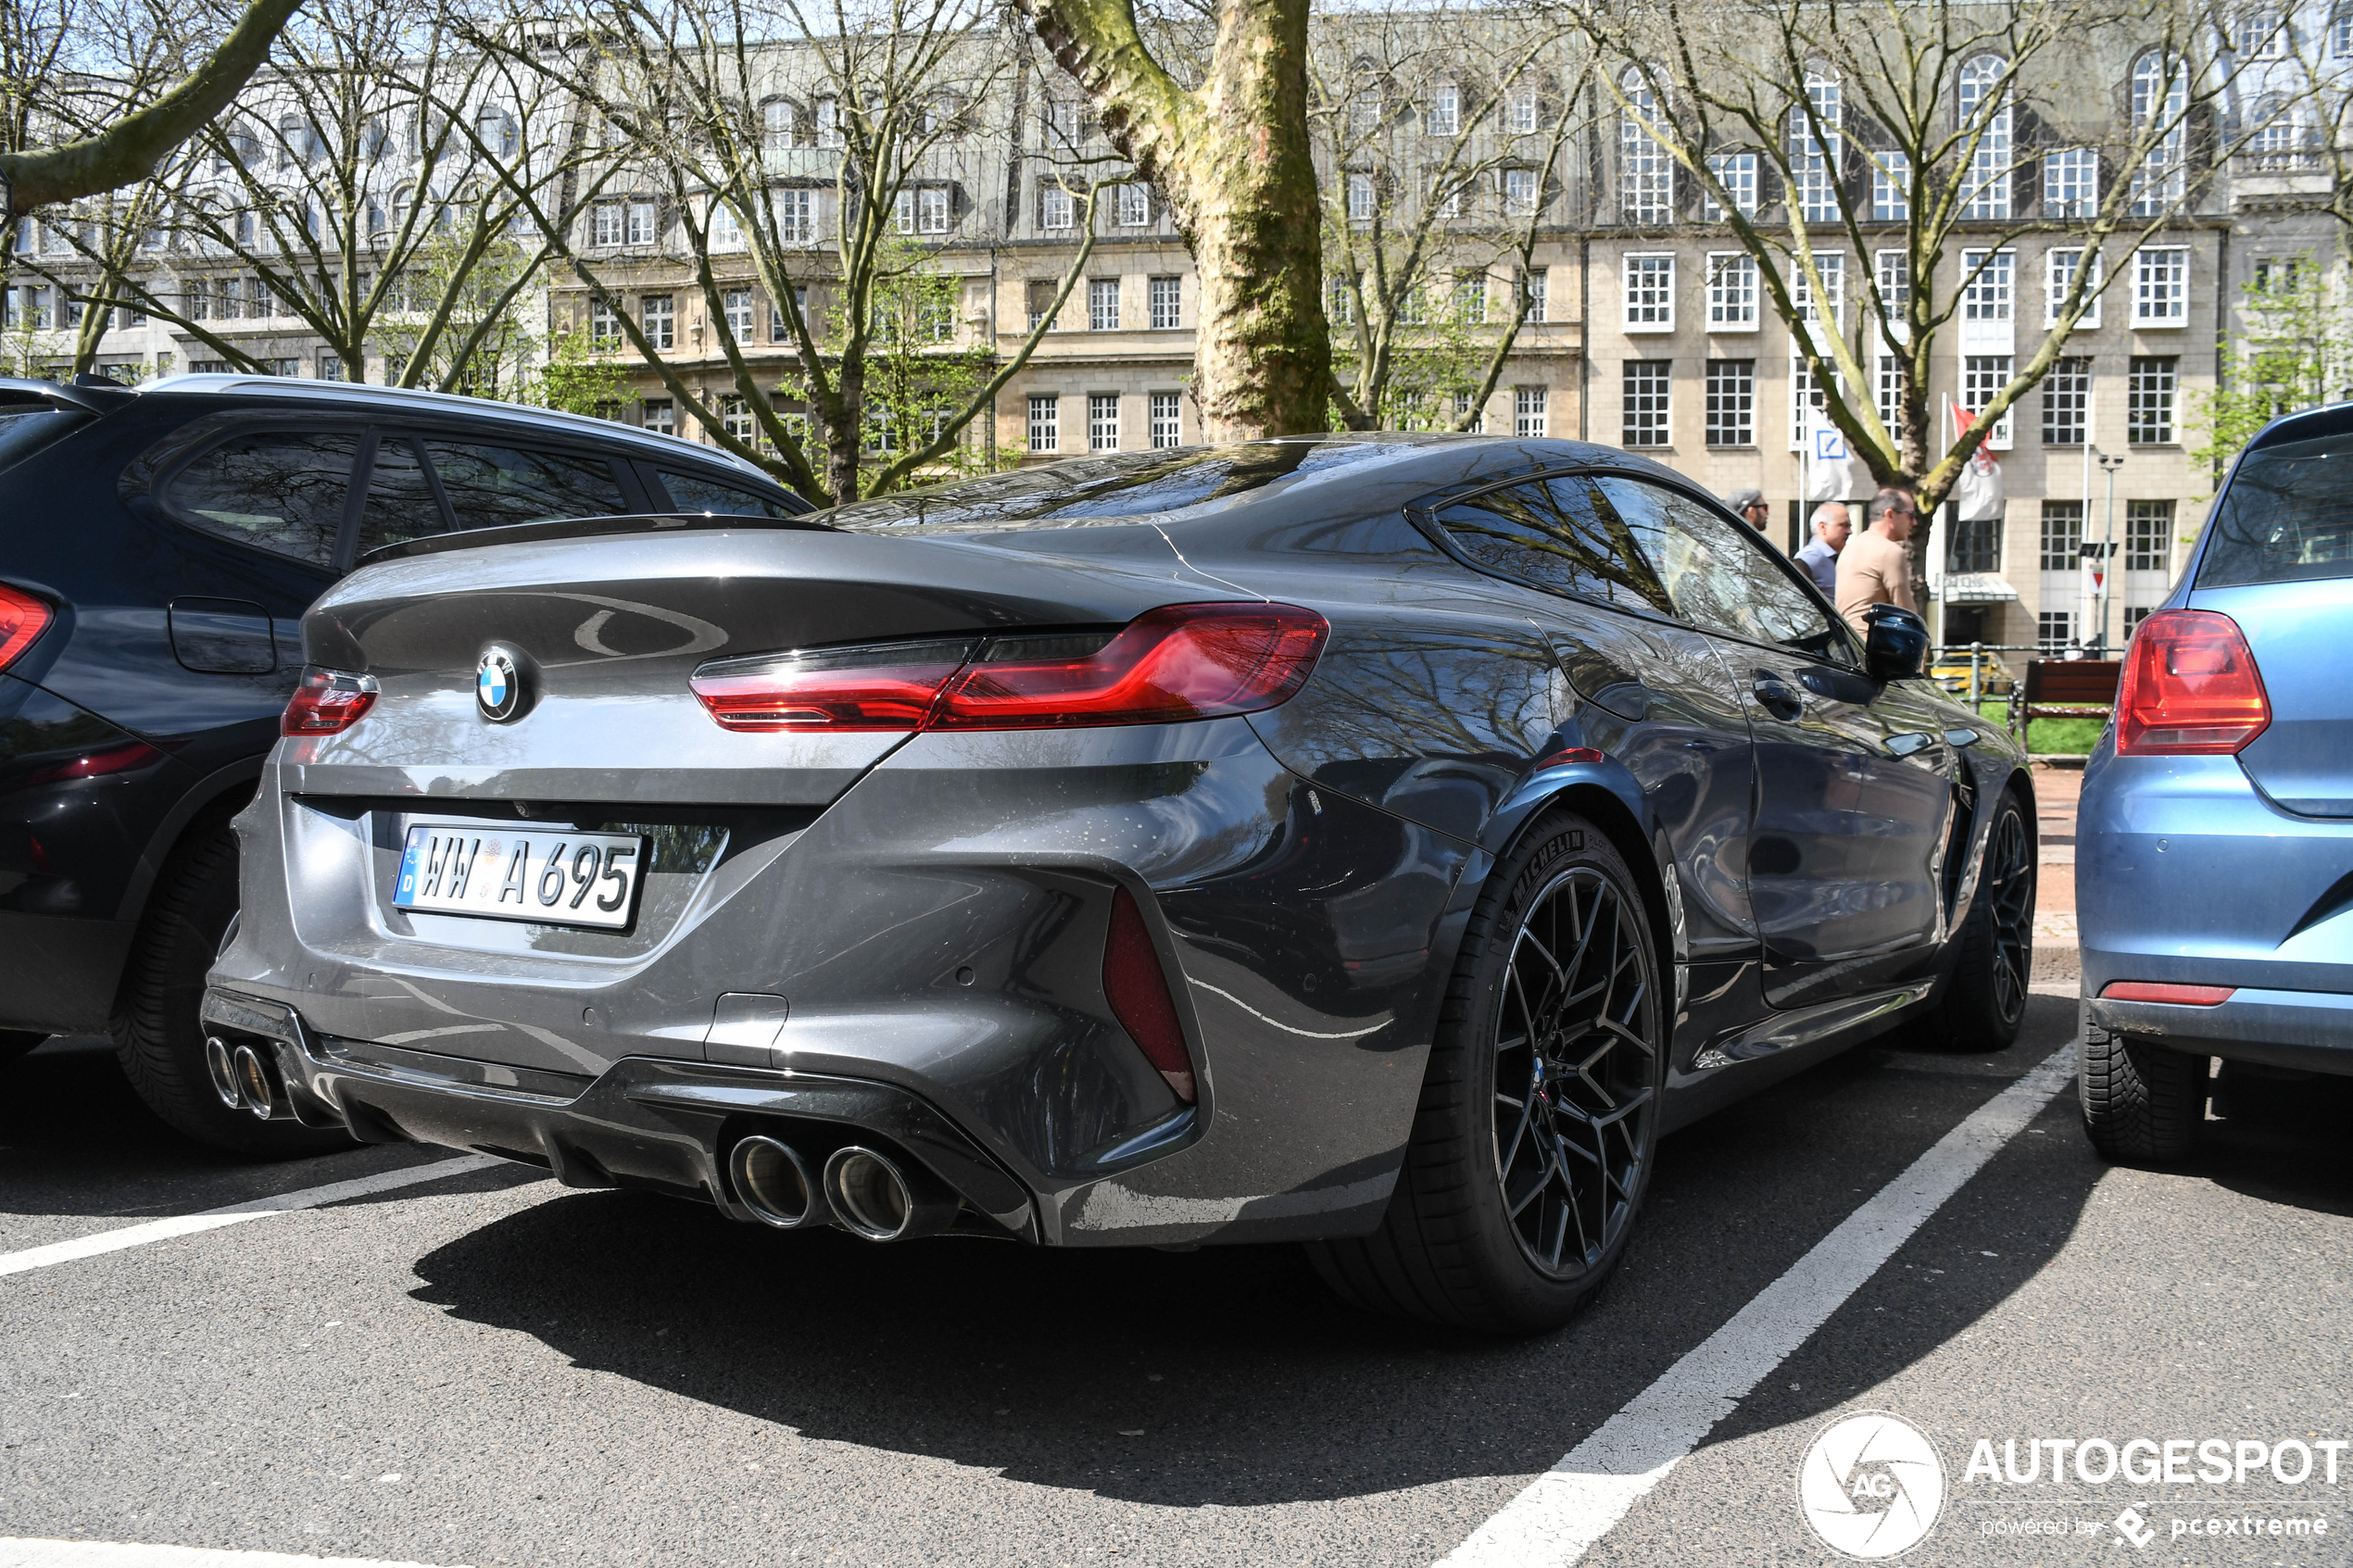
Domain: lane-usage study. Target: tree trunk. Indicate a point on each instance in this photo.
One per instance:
(1233, 158)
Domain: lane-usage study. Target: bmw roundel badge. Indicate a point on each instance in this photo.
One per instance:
(498, 686)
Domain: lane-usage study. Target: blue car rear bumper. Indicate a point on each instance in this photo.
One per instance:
(2184, 872)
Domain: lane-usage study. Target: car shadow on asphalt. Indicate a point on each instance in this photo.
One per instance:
(1226, 1375)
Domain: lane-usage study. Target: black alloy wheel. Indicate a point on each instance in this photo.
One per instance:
(1538, 1119)
(1576, 1096)
(1984, 1000)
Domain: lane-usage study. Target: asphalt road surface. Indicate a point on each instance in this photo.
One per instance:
(485, 1368)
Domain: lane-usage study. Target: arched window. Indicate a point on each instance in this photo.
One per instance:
(779, 125)
(242, 150)
(1645, 179)
(1814, 157)
(1986, 114)
(499, 133)
(2160, 102)
(297, 141)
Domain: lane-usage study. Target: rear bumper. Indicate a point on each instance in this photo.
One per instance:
(60, 974)
(643, 1122)
(2310, 1030)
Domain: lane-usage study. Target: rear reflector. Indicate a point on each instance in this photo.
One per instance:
(1175, 663)
(2190, 688)
(2156, 991)
(1138, 991)
(127, 758)
(328, 702)
(22, 618)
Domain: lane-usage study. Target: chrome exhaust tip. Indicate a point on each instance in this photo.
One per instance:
(222, 1069)
(875, 1196)
(259, 1085)
(773, 1181)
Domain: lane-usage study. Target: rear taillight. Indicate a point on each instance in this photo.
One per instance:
(2190, 687)
(328, 702)
(22, 617)
(1138, 990)
(1181, 663)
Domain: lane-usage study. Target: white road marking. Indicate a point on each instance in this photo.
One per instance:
(1568, 1508)
(108, 1554)
(235, 1214)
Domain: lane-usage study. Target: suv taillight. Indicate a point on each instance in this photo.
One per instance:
(22, 618)
(1175, 663)
(327, 703)
(2190, 687)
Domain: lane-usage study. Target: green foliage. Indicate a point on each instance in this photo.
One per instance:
(2296, 352)
(575, 381)
(1437, 355)
(441, 304)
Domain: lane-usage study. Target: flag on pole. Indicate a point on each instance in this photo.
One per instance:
(1829, 465)
(1977, 495)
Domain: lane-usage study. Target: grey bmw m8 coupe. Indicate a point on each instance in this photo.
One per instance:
(1375, 843)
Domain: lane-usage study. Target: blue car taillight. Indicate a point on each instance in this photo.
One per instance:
(2190, 687)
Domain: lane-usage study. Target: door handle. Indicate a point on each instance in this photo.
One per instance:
(1778, 696)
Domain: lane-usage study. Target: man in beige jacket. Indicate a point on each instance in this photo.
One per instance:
(1875, 568)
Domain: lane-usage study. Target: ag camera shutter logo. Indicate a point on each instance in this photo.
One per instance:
(1871, 1486)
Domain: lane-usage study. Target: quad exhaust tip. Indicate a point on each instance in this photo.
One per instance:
(257, 1084)
(222, 1069)
(881, 1199)
(773, 1181)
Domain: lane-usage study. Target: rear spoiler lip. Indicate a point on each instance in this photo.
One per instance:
(90, 394)
(582, 528)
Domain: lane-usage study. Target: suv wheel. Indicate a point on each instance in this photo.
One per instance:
(1538, 1118)
(156, 1034)
(2141, 1102)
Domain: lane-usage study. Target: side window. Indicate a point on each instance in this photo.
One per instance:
(492, 486)
(1719, 577)
(400, 504)
(277, 491)
(1554, 535)
(700, 492)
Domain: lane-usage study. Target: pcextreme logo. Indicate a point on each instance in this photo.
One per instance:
(1871, 1486)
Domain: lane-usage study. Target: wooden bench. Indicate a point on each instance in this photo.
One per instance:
(2065, 688)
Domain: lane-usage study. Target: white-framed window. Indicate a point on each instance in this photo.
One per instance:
(1365, 110)
(2261, 35)
(1045, 422)
(1528, 413)
(2059, 276)
(1167, 418)
(2149, 386)
(797, 216)
(2071, 183)
(2054, 631)
(1056, 209)
(1520, 112)
(2067, 402)
(1165, 295)
(1647, 403)
(1519, 193)
(642, 229)
(1805, 396)
(1990, 292)
(1103, 305)
(1446, 193)
(1731, 403)
(1645, 178)
(933, 210)
(2148, 535)
(1443, 116)
(658, 315)
(1890, 377)
(1731, 292)
(604, 327)
(1364, 199)
(659, 415)
(1895, 270)
(1737, 173)
(724, 232)
(1649, 293)
(1470, 299)
(2341, 33)
(1463, 403)
(2160, 98)
(737, 311)
(1983, 378)
(828, 117)
(1531, 293)
(1814, 158)
(1132, 206)
(1986, 108)
(779, 126)
(735, 417)
(1891, 186)
(1040, 292)
(1832, 267)
(605, 225)
(1103, 422)
(2161, 287)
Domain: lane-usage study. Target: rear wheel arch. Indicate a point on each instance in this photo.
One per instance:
(1607, 810)
(220, 796)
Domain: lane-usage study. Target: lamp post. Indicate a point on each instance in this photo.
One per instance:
(2107, 549)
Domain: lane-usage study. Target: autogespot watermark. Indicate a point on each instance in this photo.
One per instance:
(1873, 1485)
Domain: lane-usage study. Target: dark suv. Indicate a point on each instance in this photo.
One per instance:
(157, 549)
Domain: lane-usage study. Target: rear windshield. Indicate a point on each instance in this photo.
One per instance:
(1096, 490)
(26, 430)
(2287, 516)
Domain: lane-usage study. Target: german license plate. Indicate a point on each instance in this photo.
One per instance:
(551, 878)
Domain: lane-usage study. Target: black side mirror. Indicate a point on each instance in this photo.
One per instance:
(1895, 643)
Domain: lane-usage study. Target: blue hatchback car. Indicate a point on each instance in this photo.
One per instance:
(2214, 869)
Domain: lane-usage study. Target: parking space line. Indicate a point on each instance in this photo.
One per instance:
(235, 1214)
(1574, 1504)
(108, 1554)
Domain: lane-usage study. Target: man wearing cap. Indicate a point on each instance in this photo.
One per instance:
(1749, 502)
(1820, 557)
